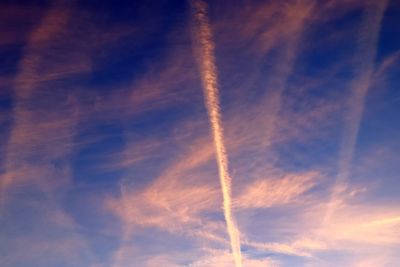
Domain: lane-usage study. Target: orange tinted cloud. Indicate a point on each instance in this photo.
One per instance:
(223, 259)
(264, 193)
(365, 57)
(31, 132)
(174, 198)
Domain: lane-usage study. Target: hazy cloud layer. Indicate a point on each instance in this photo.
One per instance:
(106, 153)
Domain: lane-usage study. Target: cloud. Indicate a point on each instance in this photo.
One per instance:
(223, 259)
(37, 168)
(57, 251)
(156, 175)
(264, 193)
(166, 205)
(367, 47)
(159, 89)
(13, 32)
(263, 26)
(36, 130)
(283, 36)
(354, 232)
(174, 197)
(377, 227)
(37, 231)
(206, 60)
(386, 65)
(183, 200)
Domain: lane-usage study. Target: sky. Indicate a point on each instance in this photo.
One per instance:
(199, 133)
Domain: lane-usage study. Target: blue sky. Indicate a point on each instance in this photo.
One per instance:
(110, 155)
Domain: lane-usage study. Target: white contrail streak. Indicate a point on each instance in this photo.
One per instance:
(367, 43)
(206, 62)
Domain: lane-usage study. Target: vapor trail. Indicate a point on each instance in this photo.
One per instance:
(365, 57)
(206, 62)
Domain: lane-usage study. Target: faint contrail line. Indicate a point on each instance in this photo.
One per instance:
(287, 54)
(206, 62)
(367, 43)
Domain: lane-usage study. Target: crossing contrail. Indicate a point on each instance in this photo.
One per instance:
(365, 57)
(206, 62)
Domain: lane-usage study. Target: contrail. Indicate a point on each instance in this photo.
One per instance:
(287, 55)
(365, 57)
(206, 62)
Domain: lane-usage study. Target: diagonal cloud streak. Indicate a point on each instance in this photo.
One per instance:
(367, 49)
(297, 16)
(206, 62)
(25, 85)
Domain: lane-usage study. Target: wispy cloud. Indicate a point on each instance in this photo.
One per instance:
(106, 157)
(26, 137)
(37, 156)
(365, 57)
(223, 259)
(264, 193)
